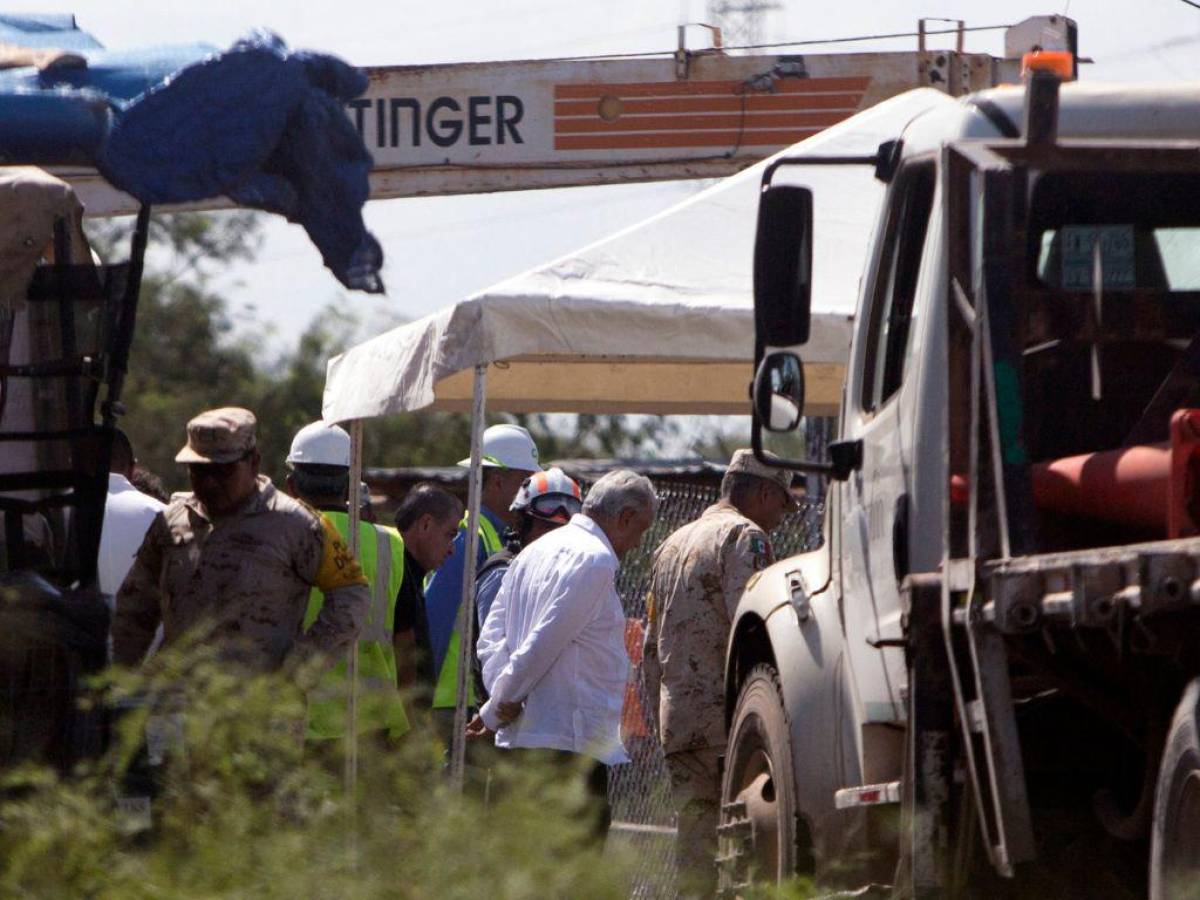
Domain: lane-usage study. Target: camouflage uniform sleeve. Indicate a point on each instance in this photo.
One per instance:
(327, 563)
(139, 599)
(651, 665)
(749, 553)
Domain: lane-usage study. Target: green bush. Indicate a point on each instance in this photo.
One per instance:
(246, 809)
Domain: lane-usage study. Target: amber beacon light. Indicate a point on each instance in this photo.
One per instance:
(1056, 62)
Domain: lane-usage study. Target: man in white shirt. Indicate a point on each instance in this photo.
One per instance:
(127, 516)
(553, 645)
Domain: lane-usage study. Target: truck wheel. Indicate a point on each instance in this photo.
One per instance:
(1175, 839)
(758, 795)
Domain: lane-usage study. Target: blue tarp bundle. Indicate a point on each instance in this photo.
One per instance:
(52, 30)
(257, 123)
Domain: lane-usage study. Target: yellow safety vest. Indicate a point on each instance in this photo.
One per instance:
(380, 708)
(445, 694)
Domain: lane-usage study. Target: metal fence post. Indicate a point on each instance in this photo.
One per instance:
(351, 768)
(466, 606)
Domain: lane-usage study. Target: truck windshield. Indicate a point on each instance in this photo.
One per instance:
(1144, 227)
(1067, 256)
(1094, 360)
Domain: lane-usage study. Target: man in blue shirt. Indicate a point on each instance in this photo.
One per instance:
(509, 457)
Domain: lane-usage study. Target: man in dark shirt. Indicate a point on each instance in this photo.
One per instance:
(427, 520)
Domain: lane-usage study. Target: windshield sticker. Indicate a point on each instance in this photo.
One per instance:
(1078, 256)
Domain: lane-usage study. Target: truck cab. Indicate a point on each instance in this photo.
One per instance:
(907, 704)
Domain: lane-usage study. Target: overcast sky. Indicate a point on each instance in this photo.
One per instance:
(441, 249)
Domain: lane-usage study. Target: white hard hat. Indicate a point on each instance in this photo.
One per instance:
(319, 444)
(508, 447)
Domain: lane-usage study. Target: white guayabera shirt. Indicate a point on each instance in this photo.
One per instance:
(555, 638)
(127, 517)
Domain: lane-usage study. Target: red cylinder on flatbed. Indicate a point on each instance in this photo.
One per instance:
(1148, 487)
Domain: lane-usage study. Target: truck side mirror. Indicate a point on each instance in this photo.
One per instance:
(783, 266)
(779, 392)
(777, 396)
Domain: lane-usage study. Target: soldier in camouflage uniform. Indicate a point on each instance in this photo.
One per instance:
(698, 576)
(233, 562)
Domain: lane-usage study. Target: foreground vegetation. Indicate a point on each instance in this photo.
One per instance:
(245, 809)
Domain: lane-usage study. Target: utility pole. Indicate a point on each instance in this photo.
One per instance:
(742, 22)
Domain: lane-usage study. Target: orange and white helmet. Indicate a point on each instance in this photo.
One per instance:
(551, 496)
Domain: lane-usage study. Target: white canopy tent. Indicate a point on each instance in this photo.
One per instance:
(657, 318)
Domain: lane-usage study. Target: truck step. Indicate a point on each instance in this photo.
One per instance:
(867, 795)
(743, 826)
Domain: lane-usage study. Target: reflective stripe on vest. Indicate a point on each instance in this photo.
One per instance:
(380, 707)
(488, 535)
(445, 694)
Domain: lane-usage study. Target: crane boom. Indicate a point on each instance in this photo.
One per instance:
(502, 126)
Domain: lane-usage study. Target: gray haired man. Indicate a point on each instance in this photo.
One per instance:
(553, 645)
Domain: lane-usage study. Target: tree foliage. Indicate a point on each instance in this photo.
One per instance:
(184, 359)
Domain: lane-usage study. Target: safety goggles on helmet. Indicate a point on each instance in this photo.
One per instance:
(550, 495)
(554, 508)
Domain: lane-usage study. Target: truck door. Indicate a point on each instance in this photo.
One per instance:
(875, 520)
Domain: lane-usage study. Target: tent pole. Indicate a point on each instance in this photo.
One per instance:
(354, 510)
(466, 606)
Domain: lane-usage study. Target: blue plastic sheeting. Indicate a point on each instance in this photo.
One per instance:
(257, 123)
(39, 30)
(117, 75)
(52, 129)
(269, 129)
(62, 116)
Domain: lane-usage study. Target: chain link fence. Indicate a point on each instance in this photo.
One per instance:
(640, 790)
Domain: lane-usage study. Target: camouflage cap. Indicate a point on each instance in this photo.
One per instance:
(744, 461)
(218, 436)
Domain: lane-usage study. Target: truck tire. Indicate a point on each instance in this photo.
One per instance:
(1175, 838)
(758, 833)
